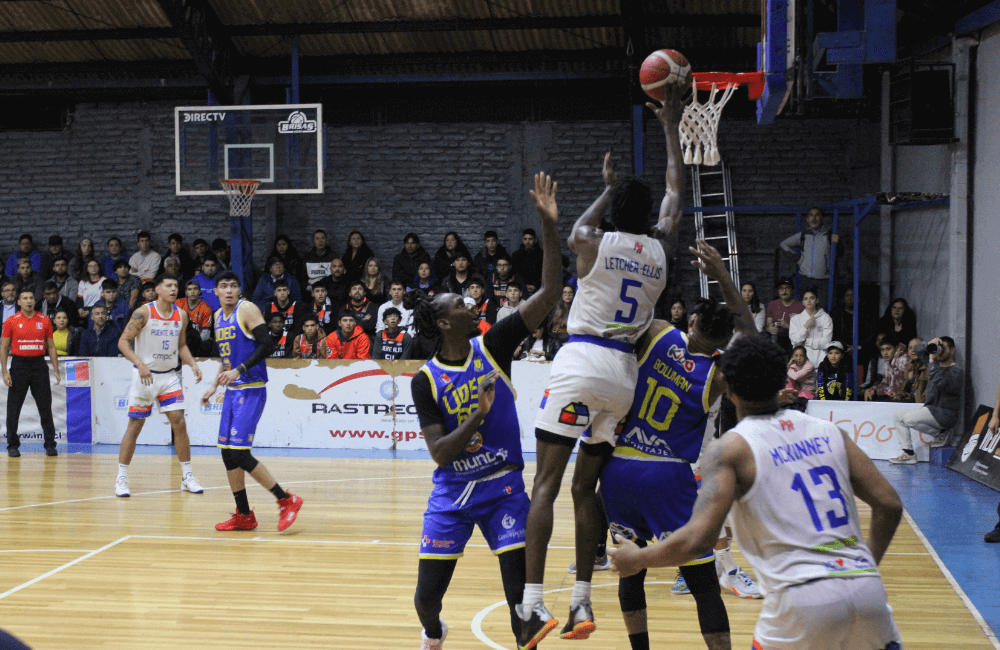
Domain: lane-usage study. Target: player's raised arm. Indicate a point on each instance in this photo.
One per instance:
(709, 261)
(536, 308)
(873, 488)
(132, 329)
(586, 235)
(250, 318)
(669, 115)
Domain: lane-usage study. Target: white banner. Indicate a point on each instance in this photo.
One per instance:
(29, 425)
(871, 426)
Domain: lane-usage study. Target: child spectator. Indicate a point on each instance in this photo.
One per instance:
(513, 300)
(282, 303)
(834, 379)
(396, 291)
(278, 333)
(749, 292)
(321, 305)
(391, 343)
(310, 344)
(407, 261)
(348, 341)
(813, 245)
(200, 316)
(812, 328)
(894, 376)
(801, 374)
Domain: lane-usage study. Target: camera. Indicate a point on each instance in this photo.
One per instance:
(933, 348)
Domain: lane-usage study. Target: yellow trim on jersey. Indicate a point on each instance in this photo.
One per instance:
(708, 388)
(231, 447)
(652, 343)
(632, 453)
(512, 547)
(427, 371)
(461, 368)
(256, 384)
(432, 556)
(704, 560)
(508, 380)
(239, 322)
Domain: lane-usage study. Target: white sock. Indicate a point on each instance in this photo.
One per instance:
(532, 595)
(581, 592)
(122, 470)
(726, 557)
(185, 468)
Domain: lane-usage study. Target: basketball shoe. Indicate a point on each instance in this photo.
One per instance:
(121, 487)
(740, 583)
(190, 484)
(680, 587)
(602, 563)
(288, 511)
(581, 622)
(238, 522)
(534, 629)
(434, 644)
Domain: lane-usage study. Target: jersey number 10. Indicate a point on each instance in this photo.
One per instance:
(648, 410)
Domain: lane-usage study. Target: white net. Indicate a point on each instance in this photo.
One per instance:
(700, 124)
(240, 193)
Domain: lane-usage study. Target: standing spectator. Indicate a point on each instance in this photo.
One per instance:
(206, 280)
(146, 261)
(944, 399)
(679, 314)
(337, 287)
(801, 374)
(894, 377)
(118, 310)
(322, 306)
(265, 286)
(898, 320)
(917, 375)
(311, 343)
(445, 256)
(9, 292)
(176, 250)
(461, 276)
(425, 280)
(316, 264)
(90, 289)
(279, 335)
(55, 302)
(486, 259)
(25, 248)
(28, 336)
(406, 263)
(27, 278)
(780, 312)
(281, 303)
(496, 282)
(485, 309)
(129, 286)
(65, 337)
(812, 328)
(813, 245)
(375, 283)
(115, 252)
(199, 316)
(396, 291)
(201, 252)
(67, 284)
(356, 255)
(834, 379)
(513, 300)
(56, 252)
(220, 247)
(528, 260)
(286, 252)
(84, 254)
(749, 293)
(101, 338)
(361, 308)
(391, 343)
(557, 332)
(348, 341)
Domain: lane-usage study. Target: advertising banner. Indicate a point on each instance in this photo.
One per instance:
(75, 375)
(871, 426)
(976, 454)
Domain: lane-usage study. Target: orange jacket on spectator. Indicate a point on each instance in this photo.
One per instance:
(201, 315)
(359, 346)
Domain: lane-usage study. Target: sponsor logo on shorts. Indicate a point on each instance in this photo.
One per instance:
(508, 521)
(622, 531)
(442, 543)
(508, 489)
(475, 443)
(576, 415)
(513, 534)
(426, 541)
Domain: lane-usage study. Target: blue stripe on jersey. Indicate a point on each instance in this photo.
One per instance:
(497, 442)
(670, 409)
(235, 346)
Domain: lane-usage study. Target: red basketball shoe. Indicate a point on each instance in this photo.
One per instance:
(239, 522)
(288, 511)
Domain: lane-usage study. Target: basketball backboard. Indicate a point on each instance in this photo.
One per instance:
(280, 145)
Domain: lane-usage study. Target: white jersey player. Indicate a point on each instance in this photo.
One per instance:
(157, 328)
(793, 479)
(622, 274)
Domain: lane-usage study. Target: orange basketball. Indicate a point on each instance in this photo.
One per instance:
(664, 67)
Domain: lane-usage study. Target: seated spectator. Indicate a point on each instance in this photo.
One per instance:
(486, 310)
(749, 293)
(361, 308)
(533, 347)
(842, 316)
(557, 329)
(316, 264)
(875, 369)
(528, 260)
(175, 250)
(482, 325)
(206, 280)
(445, 256)
(801, 374)
(68, 285)
(396, 291)
(284, 250)
(338, 289)
(356, 256)
(90, 289)
(9, 292)
(484, 263)
(311, 343)
(56, 252)
(223, 253)
(834, 379)
(425, 281)
(129, 286)
(293, 310)
(172, 266)
(321, 306)
(265, 286)
(201, 252)
(812, 246)
(497, 280)
(147, 294)
(461, 276)
(28, 278)
(375, 284)
(114, 253)
(780, 312)
(391, 342)
(406, 263)
(85, 253)
(679, 314)
(55, 302)
(101, 338)
(65, 336)
(200, 316)
(917, 375)
(943, 401)
(348, 341)
(25, 248)
(513, 300)
(899, 321)
(812, 328)
(279, 335)
(146, 262)
(117, 310)
(894, 376)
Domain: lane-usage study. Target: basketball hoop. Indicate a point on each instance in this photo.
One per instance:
(700, 124)
(240, 193)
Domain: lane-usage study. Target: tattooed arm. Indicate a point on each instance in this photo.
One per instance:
(135, 325)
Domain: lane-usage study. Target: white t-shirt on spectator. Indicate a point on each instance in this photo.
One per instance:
(90, 292)
(405, 320)
(145, 266)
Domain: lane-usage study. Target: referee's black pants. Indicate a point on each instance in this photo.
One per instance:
(29, 373)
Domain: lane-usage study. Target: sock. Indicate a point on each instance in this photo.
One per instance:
(242, 504)
(532, 595)
(726, 558)
(908, 452)
(581, 592)
(278, 492)
(122, 470)
(602, 550)
(639, 640)
(185, 468)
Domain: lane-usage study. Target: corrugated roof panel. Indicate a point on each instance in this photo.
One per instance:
(679, 38)
(76, 51)
(557, 39)
(706, 7)
(93, 14)
(515, 8)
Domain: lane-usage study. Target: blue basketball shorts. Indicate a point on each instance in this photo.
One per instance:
(499, 506)
(241, 411)
(648, 499)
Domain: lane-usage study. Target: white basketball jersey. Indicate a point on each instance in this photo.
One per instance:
(799, 521)
(616, 298)
(158, 343)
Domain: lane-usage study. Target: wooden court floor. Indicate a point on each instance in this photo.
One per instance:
(81, 569)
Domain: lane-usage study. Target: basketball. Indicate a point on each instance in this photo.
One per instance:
(664, 67)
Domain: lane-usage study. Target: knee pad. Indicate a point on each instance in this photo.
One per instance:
(704, 585)
(239, 458)
(229, 461)
(632, 592)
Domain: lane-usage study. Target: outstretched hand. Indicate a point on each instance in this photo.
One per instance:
(544, 196)
(625, 559)
(708, 260)
(608, 172)
(487, 391)
(670, 111)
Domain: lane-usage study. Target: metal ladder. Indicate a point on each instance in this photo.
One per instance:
(712, 188)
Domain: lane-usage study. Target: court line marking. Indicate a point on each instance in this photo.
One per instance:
(48, 550)
(954, 583)
(374, 542)
(477, 620)
(65, 566)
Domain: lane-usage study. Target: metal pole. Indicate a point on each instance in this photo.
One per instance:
(857, 287)
(832, 282)
(295, 69)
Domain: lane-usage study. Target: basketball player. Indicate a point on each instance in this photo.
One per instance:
(648, 485)
(157, 328)
(622, 274)
(465, 404)
(244, 343)
(793, 479)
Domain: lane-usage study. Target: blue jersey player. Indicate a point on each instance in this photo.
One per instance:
(244, 344)
(648, 485)
(465, 403)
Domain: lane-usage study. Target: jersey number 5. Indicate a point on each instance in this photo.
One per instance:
(621, 316)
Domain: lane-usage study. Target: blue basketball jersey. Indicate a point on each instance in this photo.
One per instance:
(670, 407)
(497, 443)
(235, 346)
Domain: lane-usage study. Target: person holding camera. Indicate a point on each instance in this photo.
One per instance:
(942, 403)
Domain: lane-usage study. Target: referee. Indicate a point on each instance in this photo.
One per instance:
(30, 334)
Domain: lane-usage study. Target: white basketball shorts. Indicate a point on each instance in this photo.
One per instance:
(166, 390)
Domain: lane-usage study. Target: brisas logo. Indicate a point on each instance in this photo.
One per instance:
(297, 123)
